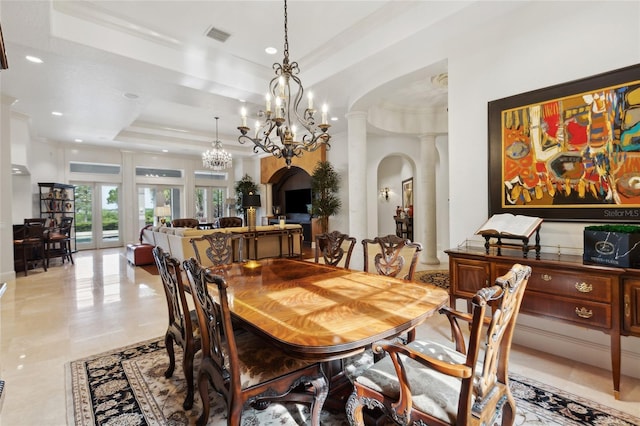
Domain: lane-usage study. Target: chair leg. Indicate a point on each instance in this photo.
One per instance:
(509, 411)
(354, 410)
(203, 389)
(168, 342)
(187, 367)
(25, 264)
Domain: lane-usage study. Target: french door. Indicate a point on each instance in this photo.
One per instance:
(97, 215)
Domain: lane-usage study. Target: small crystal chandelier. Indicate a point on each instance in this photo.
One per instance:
(277, 135)
(216, 158)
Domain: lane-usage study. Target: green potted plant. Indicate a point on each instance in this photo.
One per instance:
(242, 187)
(325, 184)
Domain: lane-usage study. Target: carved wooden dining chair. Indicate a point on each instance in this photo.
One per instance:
(219, 248)
(334, 248)
(242, 367)
(392, 256)
(430, 383)
(183, 327)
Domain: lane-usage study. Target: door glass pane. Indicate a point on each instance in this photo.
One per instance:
(152, 197)
(109, 208)
(84, 222)
(201, 204)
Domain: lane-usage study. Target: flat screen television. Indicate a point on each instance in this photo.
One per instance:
(296, 200)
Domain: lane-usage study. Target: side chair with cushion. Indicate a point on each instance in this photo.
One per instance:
(430, 383)
(58, 241)
(241, 367)
(30, 243)
(183, 323)
(229, 222)
(334, 248)
(392, 256)
(218, 248)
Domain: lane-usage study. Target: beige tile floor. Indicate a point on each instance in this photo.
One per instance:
(51, 318)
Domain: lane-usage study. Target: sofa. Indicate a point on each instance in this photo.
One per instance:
(265, 241)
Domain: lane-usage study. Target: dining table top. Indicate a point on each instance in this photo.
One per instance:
(323, 312)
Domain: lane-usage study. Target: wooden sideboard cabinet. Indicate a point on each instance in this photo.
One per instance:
(561, 287)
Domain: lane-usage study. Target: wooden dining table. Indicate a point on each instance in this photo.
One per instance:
(321, 312)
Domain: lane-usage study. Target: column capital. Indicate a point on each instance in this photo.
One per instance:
(356, 114)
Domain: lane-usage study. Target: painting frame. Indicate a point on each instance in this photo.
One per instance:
(595, 206)
(4, 63)
(407, 193)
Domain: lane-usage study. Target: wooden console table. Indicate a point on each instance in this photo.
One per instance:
(561, 287)
(251, 250)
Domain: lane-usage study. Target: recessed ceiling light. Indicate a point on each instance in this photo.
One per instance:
(77, 140)
(334, 118)
(165, 150)
(33, 59)
(271, 50)
(56, 113)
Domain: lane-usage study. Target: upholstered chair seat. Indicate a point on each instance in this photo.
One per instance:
(432, 392)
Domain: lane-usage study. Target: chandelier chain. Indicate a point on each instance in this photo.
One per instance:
(286, 37)
(278, 134)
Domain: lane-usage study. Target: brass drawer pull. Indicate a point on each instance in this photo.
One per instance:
(545, 277)
(584, 287)
(584, 312)
(627, 306)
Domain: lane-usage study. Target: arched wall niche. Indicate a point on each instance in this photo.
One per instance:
(392, 170)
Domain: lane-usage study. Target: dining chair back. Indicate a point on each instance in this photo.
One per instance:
(334, 248)
(219, 248)
(42, 221)
(242, 367)
(426, 382)
(391, 256)
(183, 327)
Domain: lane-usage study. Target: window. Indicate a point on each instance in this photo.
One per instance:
(210, 203)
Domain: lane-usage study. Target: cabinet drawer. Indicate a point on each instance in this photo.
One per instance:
(587, 313)
(573, 284)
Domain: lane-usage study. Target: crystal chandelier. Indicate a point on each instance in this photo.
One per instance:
(216, 158)
(278, 134)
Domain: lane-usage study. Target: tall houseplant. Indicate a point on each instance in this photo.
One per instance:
(244, 186)
(325, 184)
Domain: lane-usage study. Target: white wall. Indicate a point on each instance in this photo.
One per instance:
(545, 43)
(542, 44)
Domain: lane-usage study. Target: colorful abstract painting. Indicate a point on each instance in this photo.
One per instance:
(574, 155)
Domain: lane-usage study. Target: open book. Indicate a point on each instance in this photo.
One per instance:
(510, 225)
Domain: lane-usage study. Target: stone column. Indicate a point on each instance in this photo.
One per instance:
(426, 199)
(357, 157)
(7, 272)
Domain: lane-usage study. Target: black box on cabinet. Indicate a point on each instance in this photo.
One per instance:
(613, 245)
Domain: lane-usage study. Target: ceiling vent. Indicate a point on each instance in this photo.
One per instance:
(217, 34)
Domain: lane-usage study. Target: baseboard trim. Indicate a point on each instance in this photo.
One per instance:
(566, 346)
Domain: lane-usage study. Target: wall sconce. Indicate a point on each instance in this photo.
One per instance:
(385, 192)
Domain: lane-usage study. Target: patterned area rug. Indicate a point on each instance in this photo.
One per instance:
(127, 387)
(435, 277)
